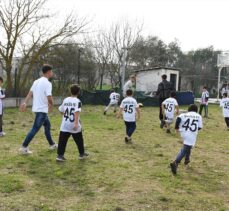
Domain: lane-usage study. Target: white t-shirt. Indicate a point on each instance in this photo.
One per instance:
(190, 122)
(114, 98)
(204, 97)
(69, 107)
(169, 105)
(127, 85)
(2, 96)
(224, 103)
(129, 105)
(41, 89)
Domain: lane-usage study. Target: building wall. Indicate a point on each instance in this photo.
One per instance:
(147, 81)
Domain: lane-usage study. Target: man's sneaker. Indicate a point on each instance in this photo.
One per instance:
(186, 162)
(126, 140)
(25, 151)
(168, 131)
(83, 156)
(2, 134)
(60, 158)
(53, 147)
(104, 112)
(114, 111)
(162, 124)
(173, 166)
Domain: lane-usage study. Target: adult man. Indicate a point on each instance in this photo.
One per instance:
(129, 84)
(41, 91)
(163, 91)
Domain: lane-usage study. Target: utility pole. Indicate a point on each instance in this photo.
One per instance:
(123, 66)
(80, 50)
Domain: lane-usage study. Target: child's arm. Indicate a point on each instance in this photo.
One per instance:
(177, 109)
(119, 112)
(76, 120)
(23, 105)
(138, 113)
(177, 124)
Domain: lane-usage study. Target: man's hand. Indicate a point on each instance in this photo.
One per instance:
(22, 107)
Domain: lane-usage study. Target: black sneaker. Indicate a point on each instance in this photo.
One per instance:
(173, 168)
(83, 156)
(186, 162)
(60, 158)
(126, 140)
(104, 112)
(114, 111)
(162, 124)
(168, 131)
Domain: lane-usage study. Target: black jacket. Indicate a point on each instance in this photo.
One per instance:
(164, 89)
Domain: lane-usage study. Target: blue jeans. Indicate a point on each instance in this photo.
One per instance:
(40, 119)
(130, 128)
(185, 152)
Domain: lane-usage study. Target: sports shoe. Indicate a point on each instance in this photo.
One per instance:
(83, 156)
(126, 140)
(60, 158)
(162, 124)
(104, 112)
(53, 147)
(114, 111)
(186, 162)
(25, 150)
(2, 134)
(173, 166)
(168, 131)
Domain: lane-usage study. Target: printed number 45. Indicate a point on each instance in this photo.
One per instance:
(192, 127)
(69, 114)
(129, 109)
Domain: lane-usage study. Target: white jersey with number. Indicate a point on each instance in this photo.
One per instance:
(224, 103)
(188, 127)
(114, 98)
(170, 105)
(129, 105)
(204, 98)
(69, 107)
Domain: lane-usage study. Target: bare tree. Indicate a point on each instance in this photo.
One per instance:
(23, 34)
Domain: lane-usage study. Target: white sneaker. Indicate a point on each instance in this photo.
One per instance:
(2, 134)
(25, 151)
(53, 147)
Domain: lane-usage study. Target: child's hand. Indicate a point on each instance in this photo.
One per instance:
(22, 107)
(75, 126)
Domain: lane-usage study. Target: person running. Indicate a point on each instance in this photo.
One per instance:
(114, 100)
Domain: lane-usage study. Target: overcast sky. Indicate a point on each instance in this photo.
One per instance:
(195, 23)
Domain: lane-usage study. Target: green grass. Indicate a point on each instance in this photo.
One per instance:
(116, 176)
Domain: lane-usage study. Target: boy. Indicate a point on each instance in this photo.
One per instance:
(114, 100)
(129, 108)
(41, 91)
(71, 126)
(204, 102)
(2, 96)
(224, 103)
(188, 124)
(168, 108)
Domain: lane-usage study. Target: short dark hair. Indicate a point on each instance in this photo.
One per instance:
(225, 94)
(173, 94)
(46, 68)
(75, 89)
(164, 77)
(1, 79)
(193, 107)
(129, 92)
(204, 87)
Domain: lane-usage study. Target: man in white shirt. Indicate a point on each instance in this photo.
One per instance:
(129, 85)
(41, 91)
(168, 108)
(71, 126)
(224, 104)
(188, 124)
(114, 100)
(204, 102)
(129, 108)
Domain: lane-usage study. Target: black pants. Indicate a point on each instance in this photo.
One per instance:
(63, 139)
(160, 109)
(130, 128)
(0, 123)
(205, 109)
(227, 121)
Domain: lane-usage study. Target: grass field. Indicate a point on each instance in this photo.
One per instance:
(116, 176)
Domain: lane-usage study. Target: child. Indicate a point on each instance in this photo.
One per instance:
(204, 102)
(224, 103)
(114, 99)
(2, 96)
(71, 126)
(129, 107)
(188, 125)
(168, 108)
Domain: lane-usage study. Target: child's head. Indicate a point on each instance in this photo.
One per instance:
(112, 90)
(204, 88)
(75, 89)
(225, 94)
(193, 108)
(129, 93)
(173, 94)
(1, 80)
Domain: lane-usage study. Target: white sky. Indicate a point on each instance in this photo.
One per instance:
(195, 23)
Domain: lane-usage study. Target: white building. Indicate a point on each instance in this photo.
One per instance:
(147, 80)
